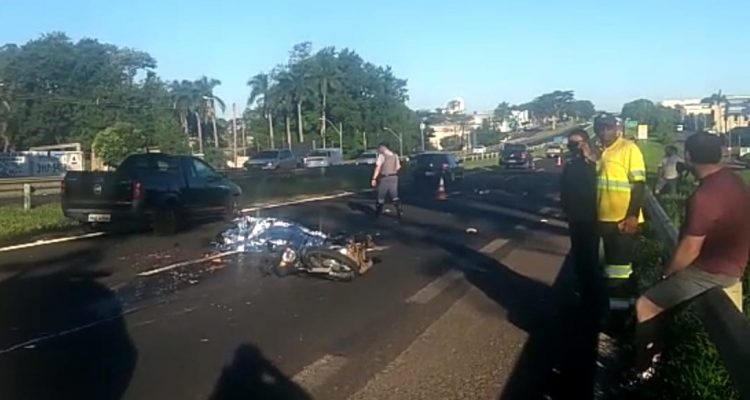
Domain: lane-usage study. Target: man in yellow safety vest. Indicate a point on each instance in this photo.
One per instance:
(621, 187)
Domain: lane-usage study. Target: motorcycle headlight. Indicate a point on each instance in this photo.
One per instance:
(289, 256)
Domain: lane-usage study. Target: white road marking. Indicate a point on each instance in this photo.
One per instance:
(300, 201)
(317, 373)
(246, 210)
(493, 246)
(50, 241)
(186, 263)
(443, 282)
(546, 210)
(434, 288)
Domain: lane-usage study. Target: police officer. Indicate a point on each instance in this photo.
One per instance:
(385, 179)
(621, 181)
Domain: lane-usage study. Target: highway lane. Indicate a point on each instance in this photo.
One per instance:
(78, 318)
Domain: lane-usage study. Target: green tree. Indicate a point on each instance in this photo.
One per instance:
(661, 120)
(115, 143)
(582, 109)
(260, 96)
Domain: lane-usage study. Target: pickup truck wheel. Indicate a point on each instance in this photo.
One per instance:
(165, 222)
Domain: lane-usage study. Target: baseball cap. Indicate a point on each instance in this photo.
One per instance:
(606, 121)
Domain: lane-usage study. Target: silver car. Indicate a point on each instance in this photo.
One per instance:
(270, 160)
(366, 158)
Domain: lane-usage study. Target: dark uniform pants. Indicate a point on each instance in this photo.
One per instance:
(584, 247)
(618, 261)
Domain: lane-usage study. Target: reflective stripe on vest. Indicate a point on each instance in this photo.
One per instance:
(618, 271)
(613, 185)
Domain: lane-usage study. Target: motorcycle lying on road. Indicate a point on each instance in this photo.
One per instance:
(340, 258)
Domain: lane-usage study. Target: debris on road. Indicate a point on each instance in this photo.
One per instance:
(295, 248)
(472, 231)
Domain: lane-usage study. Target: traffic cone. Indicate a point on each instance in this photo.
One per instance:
(559, 161)
(441, 195)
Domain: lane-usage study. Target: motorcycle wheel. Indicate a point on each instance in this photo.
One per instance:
(343, 267)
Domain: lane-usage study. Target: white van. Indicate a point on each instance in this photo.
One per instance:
(323, 158)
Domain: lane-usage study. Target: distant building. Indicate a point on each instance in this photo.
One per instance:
(722, 118)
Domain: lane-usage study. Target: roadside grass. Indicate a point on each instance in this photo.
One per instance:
(18, 223)
(653, 152)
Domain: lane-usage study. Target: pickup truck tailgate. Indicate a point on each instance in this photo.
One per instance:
(97, 190)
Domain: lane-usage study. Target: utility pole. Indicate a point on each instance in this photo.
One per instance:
(364, 140)
(422, 127)
(244, 139)
(234, 131)
(341, 138)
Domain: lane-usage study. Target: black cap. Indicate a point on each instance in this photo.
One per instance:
(605, 121)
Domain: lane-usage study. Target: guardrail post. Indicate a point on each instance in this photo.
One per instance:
(26, 196)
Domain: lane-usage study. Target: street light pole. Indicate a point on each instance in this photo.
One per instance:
(400, 140)
(234, 131)
(341, 133)
(422, 127)
(341, 138)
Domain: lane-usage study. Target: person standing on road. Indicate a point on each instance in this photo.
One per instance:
(712, 251)
(621, 187)
(669, 173)
(385, 179)
(578, 200)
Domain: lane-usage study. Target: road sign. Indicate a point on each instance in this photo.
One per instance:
(631, 124)
(642, 132)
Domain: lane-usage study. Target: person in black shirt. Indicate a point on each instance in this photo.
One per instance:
(578, 197)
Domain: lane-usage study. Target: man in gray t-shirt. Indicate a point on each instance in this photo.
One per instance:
(385, 179)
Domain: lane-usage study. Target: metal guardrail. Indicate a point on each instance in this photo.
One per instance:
(727, 327)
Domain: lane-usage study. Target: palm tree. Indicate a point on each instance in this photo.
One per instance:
(719, 99)
(326, 74)
(208, 101)
(181, 102)
(4, 109)
(294, 82)
(260, 93)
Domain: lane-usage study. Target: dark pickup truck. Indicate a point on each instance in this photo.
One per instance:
(154, 189)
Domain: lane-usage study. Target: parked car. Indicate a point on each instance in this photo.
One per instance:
(323, 158)
(516, 155)
(155, 189)
(366, 158)
(479, 149)
(431, 165)
(270, 160)
(553, 151)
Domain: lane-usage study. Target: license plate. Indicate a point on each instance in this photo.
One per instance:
(429, 173)
(100, 217)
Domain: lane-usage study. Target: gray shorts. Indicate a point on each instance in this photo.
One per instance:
(388, 187)
(685, 285)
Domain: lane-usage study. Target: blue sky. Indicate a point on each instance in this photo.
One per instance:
(486, 51)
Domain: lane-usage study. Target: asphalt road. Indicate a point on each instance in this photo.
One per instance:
(443, 314)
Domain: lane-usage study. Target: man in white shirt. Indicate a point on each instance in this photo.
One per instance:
(669, 174)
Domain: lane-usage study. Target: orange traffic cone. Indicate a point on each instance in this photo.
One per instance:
(559, 161)
(441, 195)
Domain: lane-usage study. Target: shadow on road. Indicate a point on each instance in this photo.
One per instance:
(558, 360)
(252, 376)
(62, 335)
